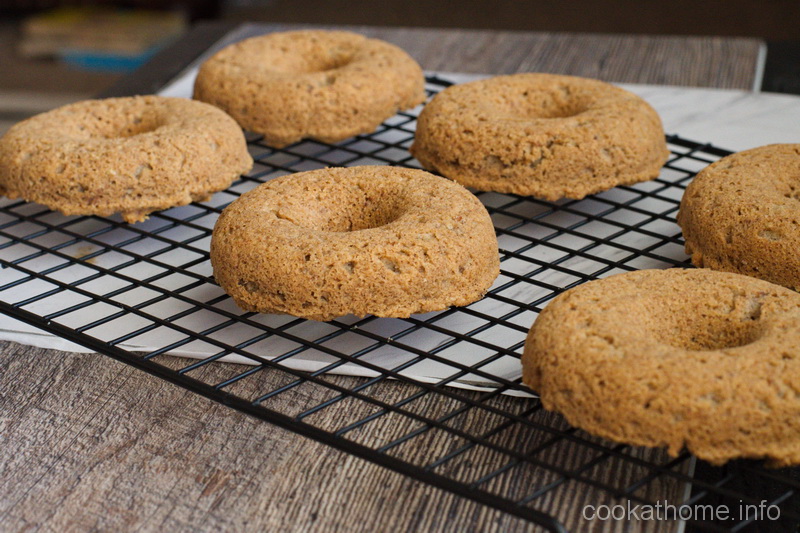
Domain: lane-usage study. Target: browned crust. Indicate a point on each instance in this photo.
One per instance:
(363, 240)
(130, 155)
(742, 214)
(325, 85)
(542, 135)
(705, 360)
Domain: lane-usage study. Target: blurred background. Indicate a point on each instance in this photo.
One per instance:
(56, 51)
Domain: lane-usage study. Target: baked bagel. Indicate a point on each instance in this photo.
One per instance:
(377, 240)
(130, 155)
(700, 359)
(742, 214)
(325, 85)
(540, 135)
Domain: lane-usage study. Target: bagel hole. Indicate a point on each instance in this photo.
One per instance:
(134, 128)
(714, 332)
(122, 127)
(327, 66)
(544, 104)
(353, 212)
(290, 62)
(337, 58)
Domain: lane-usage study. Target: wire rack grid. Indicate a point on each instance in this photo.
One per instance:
(439, 396)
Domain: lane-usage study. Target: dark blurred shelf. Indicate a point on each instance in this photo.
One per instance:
(782, 68)
(776, 19)
(44, 76)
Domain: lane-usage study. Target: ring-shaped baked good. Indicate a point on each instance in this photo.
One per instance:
(325, 85)
(742, 214)
(542, 135)
(700, 359)
(131, 155)
(375, 240)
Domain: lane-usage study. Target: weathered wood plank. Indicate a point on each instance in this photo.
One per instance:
(669, 60)
(89, 443)
(719, 62)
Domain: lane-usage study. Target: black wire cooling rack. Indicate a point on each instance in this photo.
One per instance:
(440, 397)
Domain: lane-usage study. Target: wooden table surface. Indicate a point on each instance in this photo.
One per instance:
(90, 444)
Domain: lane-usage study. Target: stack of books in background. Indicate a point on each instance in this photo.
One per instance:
(100, 39)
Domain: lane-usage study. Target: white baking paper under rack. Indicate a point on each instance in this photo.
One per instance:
(148, 287)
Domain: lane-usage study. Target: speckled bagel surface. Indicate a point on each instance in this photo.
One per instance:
(375, 240)
(542, 135)
(325, 85)
(130, 155)
(742, 214)
(700, 359)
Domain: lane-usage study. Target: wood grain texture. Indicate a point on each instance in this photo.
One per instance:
(719, 62)
(91, 444)
(775, 20)
(695, 61)
(87, 443)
